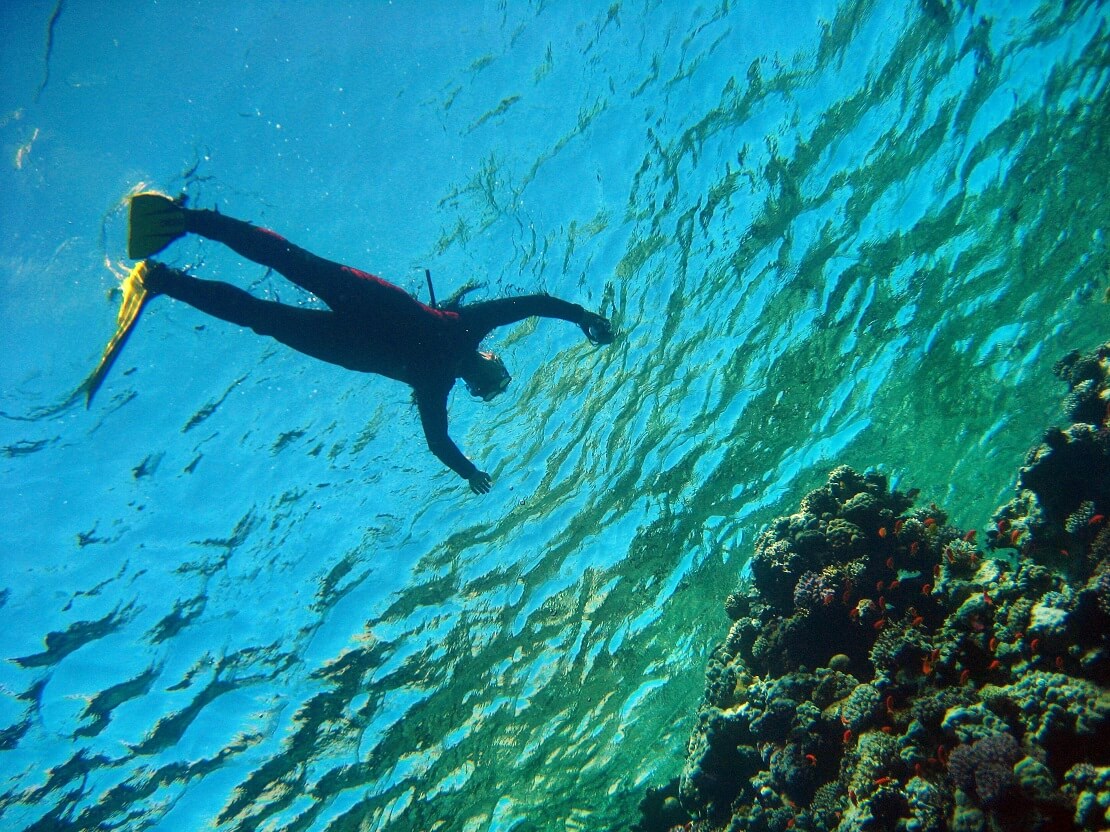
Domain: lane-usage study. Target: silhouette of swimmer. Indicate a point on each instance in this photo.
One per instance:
(371, 326)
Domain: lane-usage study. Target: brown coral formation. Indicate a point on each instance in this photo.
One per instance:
(884, 672)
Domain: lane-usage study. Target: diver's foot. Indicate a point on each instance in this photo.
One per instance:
(154, 276)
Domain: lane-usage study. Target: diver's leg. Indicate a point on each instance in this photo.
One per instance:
(332, 282)
(314, 332)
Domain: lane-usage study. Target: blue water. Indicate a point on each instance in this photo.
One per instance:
(239, 593)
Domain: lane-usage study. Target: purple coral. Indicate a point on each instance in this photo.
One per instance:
(985, 768)
(813, 590)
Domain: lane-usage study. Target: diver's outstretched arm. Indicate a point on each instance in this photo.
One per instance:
(482, 318)
(432, 405)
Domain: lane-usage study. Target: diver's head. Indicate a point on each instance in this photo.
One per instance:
(485, 375)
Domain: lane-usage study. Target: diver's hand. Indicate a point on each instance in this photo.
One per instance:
(480, 482)
(597, 328)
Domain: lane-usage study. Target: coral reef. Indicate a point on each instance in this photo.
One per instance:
(885, 672)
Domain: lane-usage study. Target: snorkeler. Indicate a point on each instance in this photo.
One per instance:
(371, 325)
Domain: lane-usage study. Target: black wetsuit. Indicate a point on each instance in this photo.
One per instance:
(372, 326)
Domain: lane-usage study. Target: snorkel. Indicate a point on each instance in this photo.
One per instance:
(431, 290)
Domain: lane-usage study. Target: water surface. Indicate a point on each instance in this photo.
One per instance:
(239, 593)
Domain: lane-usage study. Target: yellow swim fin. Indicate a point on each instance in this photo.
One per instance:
(135, 295)
(154, 221)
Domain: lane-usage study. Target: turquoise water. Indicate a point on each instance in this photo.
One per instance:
(239, 593)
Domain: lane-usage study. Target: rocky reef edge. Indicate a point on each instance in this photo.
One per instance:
(886, 670)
